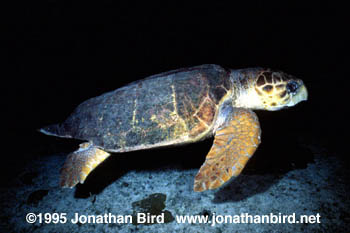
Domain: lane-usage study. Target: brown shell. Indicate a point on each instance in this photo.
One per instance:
(173, 107)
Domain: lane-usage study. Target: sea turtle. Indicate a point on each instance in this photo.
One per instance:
(176, 107)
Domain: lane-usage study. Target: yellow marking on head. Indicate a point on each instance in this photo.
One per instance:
(271, 90)
(280, 87)
(258, 91)
(271, 95)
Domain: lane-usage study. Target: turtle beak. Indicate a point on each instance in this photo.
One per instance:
(301, 95)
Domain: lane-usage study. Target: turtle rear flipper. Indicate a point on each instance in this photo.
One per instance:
(80, 163)
(234, 143)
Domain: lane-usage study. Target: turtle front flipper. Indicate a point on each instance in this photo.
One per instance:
(80, 163)
(235, 142)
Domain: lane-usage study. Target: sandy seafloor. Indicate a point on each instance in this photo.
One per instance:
(320, 187)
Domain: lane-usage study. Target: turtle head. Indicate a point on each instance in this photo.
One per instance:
(272, 90)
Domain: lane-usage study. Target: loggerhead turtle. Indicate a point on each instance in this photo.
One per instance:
(176, 107)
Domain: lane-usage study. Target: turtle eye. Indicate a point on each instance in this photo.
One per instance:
(292, 86)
